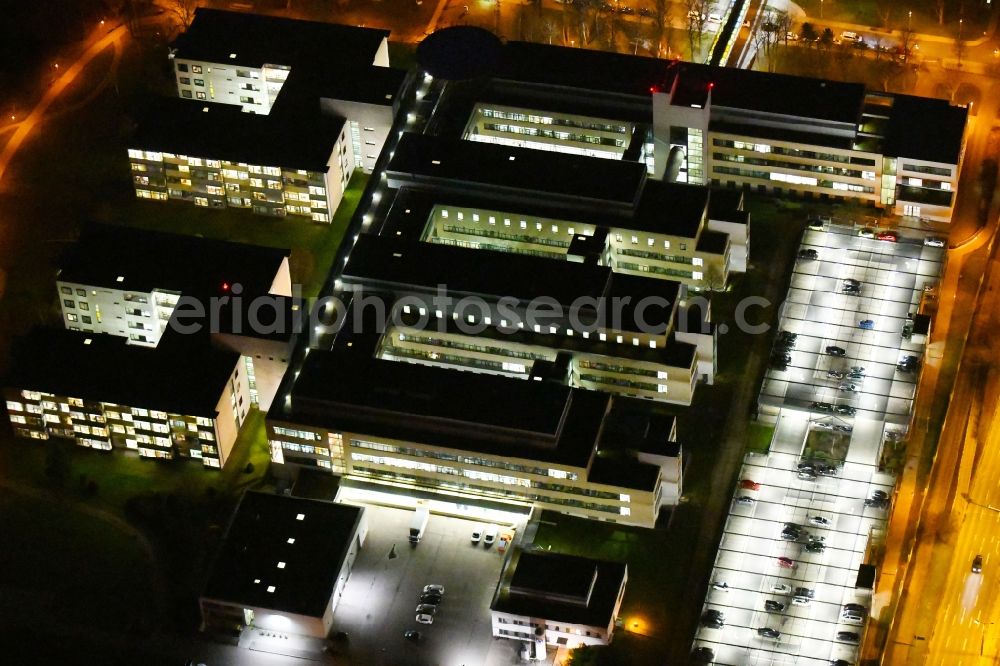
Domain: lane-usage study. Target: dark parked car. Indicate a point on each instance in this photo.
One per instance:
(804, 592)
(767, 632)
(836, 374)
(857, 608)
(808, 253)
(430, 598)
(704, 655)
(833, 350)
(852, 282)
(848, 637)
(821, 406)
(773, 606)
(846, 410)
(880, 494)
(412, 635)
(867, 324)
(743, 499)
(815, 546)
(876, 503)
(856, 372)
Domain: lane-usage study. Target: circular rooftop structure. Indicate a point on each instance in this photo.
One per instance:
(460, 52)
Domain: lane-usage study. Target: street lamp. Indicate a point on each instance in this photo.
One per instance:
(821, 8)
(909, 19)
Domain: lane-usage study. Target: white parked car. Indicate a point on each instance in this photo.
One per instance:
(491, 535)
(477, 533)
(423, 618)
(781, 588)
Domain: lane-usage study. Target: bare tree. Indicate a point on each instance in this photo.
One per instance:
(906, 42)
(661, 19)
(939, 7)
(883, 9)
(807, 33)
(697, 18)
(182, 11)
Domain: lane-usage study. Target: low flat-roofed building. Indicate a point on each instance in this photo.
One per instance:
(244, 59)
(470, 435)
(296, 163)
(282, 565)
(182, 399)
(556, 599)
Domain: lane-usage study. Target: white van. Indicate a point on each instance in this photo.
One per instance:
(848, 36)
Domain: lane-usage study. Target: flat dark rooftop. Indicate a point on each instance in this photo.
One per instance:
(431, 161)
(300, 139)
(672, 208)
(386, 262)
(257, 540)
(613, 73)
(779, 134)
(713, 242)
(184, 374)
(367, 85)
(347, 390)
(563, 576)
(636, 425)
(147, 260)
(255, 39)
(925, 129)
(624, 472)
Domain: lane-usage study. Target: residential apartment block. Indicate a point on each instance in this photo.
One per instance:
(183, 399)
(410, 428)
(554, 599)
(245, 59)
(212, 155)
(107, 284)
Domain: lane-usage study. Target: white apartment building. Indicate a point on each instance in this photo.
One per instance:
(270, 165)
(179, 401)
(244, 59)
(108, 284)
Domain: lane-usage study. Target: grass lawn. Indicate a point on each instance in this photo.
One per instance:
(759, 438)
(69, 566)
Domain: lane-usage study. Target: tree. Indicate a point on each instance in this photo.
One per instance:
(661, 19)
(826, 39)
(905, 42)
(940, 5)
(182, 11)
(697, 18)
(883, 9)
(807, 33)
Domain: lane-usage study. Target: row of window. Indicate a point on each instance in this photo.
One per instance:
(549, 120)
(793, 152)
(784, 164)
(550, 134)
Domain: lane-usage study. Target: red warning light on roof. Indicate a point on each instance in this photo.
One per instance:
(225, 286)
(652, 89)
(711, 85)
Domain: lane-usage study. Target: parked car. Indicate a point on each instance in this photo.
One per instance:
(847, 387)
(833, 350)
(842, 427)
(856, 372)
(836, 374)
(867, 324)
(908, 363)
(772, 606)
(805, 592)
(807, 475)
(934, 241)
(815, 547)
(430, 598)
(789, 535)
(867, 232)
(720, 586)
(787, 563)
(712, 622)
(437, 589)
(821, 406)
(819, 520)
(703, 655)
(767, 632)
(850, 290)
(800, 601)
(846, 410)
(747, 484)
(781, 588)
(743, 499)
(490, 536)
(477, 533)
(425, 619)
(851, 282)
(858, 608)
(808, 253)
(427, 609)
(851, 617)
(822, 425)
(880, 494)
(876, 503)
(890, 236)
(412, 635)
(977, 564)
(848, 637)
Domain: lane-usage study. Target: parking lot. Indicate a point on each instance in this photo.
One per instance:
(890, 278)
(382, 593)
(784, 584)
